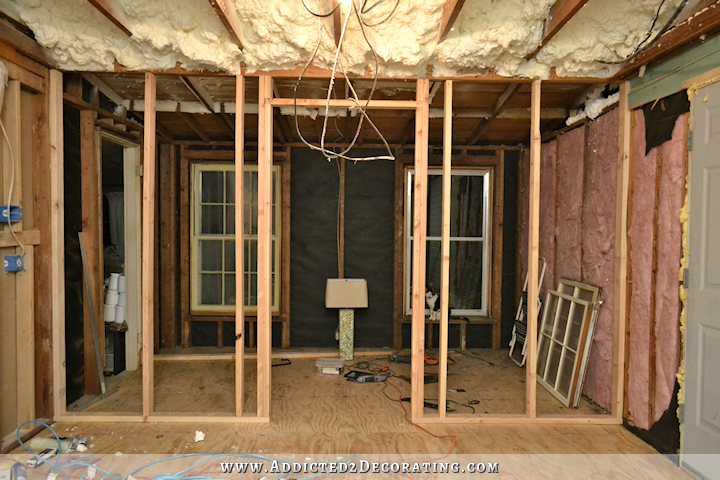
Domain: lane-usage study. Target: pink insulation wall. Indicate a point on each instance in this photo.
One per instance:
(548, 159)
(570, 174)
(657, 194)
(598, 248)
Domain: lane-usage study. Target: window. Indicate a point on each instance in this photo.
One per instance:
(469, 239)
(213, 238)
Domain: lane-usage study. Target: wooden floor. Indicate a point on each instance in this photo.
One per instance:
(319, 415)
(208, 386)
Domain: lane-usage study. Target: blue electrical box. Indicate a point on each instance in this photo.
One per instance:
(14, 263)
(15, 214)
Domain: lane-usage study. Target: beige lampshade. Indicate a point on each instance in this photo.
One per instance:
(346, 293)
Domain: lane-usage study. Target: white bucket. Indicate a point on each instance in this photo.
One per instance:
(121, 299)
(113, 284)
(121, 284)
(119, 314)
(111, 297)
(110, 313)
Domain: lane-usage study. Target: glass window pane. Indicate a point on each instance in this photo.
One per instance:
(562, 320)
(434, 208)
(251, 289)
(210, 255)
(566, 373)
(466, 205)
(211, 219)
(552, 368)
(254, 220)
(229, 187)
(230, 289)
(543, 347)
(251, 256)
(576, 327)
(466, 275)
(247, 219)
(230, 220)
(549, 312)
(210, 289)
(229, 255)
(212, 187)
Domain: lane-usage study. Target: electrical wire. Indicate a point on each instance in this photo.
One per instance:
(10, 190)
(337, 65)
(189, 473)
(639, 49)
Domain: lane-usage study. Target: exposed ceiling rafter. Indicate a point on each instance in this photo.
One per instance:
(195, 126)
(199, 92)
(496, 110)
(560, 14)
(113, 13)
(451, 10)
(337, 21)
(104, 88)
(225, 10)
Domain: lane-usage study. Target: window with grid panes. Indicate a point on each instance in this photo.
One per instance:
(213, 238)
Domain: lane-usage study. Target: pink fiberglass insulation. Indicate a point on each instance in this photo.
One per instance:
(640, 233)
(570, 174)
(548, 158)
(669, 249)
(598, 248)
(523, 211)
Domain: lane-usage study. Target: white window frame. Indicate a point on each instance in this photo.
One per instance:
(486, 173)
(196, 236)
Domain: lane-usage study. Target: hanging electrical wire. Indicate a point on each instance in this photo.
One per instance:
(337, 65)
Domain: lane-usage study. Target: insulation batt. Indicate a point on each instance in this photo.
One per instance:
(598, 248)
(669, 238)
(570, 171)
(280, 34)
(641, 234)
(548, 158)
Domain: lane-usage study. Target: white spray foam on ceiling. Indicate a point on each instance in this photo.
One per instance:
(282, 34)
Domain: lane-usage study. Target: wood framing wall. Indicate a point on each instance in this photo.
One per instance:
(26, 313)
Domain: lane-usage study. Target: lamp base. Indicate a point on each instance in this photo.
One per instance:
(347, 333)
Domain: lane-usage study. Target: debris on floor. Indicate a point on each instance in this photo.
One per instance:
(199, 436)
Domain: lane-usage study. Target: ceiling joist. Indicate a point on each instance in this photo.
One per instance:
(225, 10)
(337, 21)
(111, 94)
(114, 14)
(496, 110)
(195, 126)
(199, 92)
(451, 10)
(560, 14)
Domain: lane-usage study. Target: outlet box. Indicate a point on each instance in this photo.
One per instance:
(15, 214)
(14, 263)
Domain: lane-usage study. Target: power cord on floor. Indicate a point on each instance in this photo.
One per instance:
(189, 473)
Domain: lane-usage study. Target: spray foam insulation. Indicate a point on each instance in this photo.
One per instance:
(598, 248)
(277, 34)
(570, 171)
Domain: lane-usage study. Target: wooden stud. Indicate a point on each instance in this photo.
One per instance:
(114, 14)
(228, 15)
(341, 221)
(239, 245)
(652, 341)
(498, 194)
(419, 248)
(264, 286)
(621, 251)
(92, 214)
(285, 250)
(399, 254)
(185, 225)
(57, 246)
(445, 248)
(168, 245)
(533, 253)
(451, 10)
(148, 244)
(337, 21)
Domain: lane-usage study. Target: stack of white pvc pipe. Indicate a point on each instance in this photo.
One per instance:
(115, 299)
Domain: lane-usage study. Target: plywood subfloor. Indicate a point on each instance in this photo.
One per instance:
(208, 386)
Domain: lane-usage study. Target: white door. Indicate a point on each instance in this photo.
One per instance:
(700, 445)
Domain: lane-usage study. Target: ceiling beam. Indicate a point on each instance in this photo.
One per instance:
(690, 32)
(337, 21)
(227, 14)
(560, 14)
(496, 110)
(195, 126)
(113, 13)
(199, 92)
(451, 10)
(111, 94)
(160, 129)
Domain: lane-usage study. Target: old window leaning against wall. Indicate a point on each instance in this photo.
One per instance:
(470, 235)
(213, 238)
